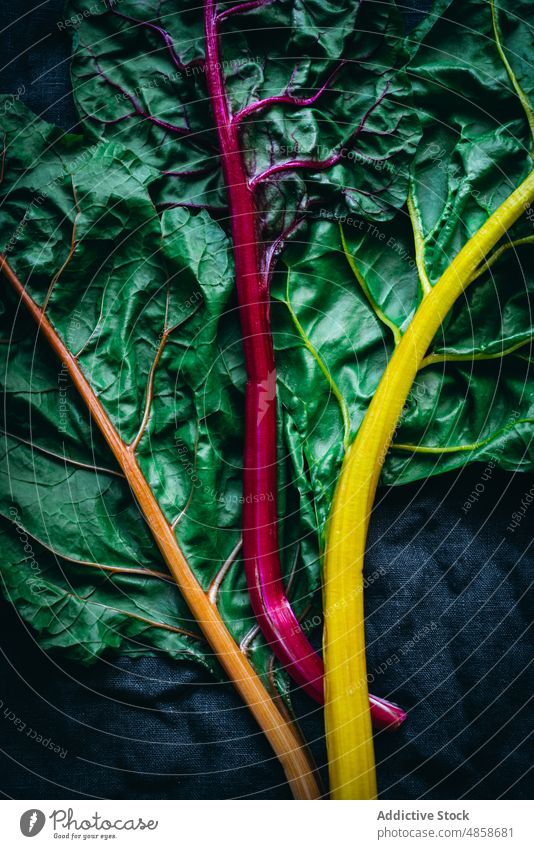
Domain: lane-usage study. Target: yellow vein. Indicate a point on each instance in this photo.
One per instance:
(380, 314)
(419, 242)
(432, 359)
(322, 365)
(487, 263)
(513, 79)
(347, 718)
(452, 449)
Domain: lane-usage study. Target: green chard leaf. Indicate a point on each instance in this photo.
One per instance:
(473, 400)
(81, 564)
(142, 59)
(124, 233)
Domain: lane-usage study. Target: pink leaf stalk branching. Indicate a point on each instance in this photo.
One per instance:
(270, 604)
(240, 8)
(287, 98)
(316, 165)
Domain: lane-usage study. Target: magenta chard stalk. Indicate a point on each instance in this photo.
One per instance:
(260, 532)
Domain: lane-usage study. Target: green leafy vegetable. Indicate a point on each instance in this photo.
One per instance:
(441, 211)
(173, 139)
(123, 234)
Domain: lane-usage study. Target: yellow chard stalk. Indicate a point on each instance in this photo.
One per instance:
(347, 718)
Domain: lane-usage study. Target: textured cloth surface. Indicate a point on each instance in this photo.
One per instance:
(447, 621)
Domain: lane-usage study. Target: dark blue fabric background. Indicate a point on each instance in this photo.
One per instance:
(447, 623)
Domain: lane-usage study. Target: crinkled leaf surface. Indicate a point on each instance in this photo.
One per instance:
(476, 401)
(138, 266)
(122, 233)
(124, 70)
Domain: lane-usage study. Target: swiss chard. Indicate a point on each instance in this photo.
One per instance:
(281, 155)
(208, 159)
(95, 580)
(130, 279)
(462, 214)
